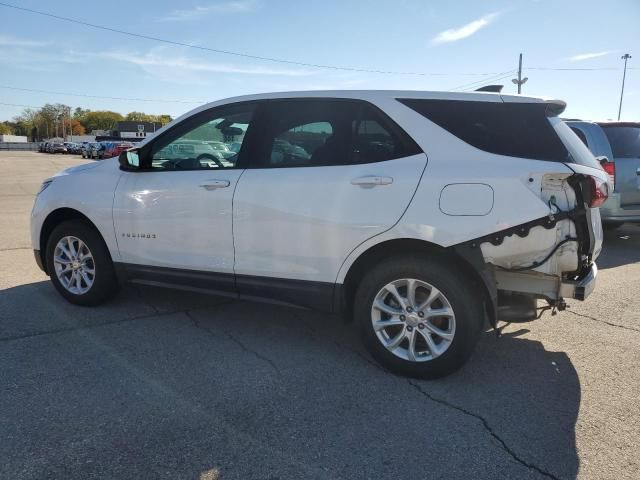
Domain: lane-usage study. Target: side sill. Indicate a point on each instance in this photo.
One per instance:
(280, 291)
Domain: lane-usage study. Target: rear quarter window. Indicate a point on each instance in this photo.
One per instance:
(511, 129)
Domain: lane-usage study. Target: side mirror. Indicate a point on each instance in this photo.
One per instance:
(602, 160)
(129, 160)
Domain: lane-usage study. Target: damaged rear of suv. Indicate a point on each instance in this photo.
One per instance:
(510, 170)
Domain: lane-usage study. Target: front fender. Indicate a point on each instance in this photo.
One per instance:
(88, 191)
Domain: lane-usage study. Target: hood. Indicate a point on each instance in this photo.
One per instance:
(108, 163)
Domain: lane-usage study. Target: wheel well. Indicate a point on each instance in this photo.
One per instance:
(403, 247)
(54, 219)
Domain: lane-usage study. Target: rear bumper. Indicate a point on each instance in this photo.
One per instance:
(613, 212)
(581, 288)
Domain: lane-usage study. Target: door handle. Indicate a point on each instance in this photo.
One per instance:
(370, 181)
(214, 184)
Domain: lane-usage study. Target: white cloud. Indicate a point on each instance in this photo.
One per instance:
(160, 59)
(235, 6)
(455, 34)
(7, 41)
(588, 56)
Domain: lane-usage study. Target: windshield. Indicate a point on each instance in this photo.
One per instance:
(625, 141)
(578, 152)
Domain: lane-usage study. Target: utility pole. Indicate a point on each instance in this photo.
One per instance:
(70, 125)
(625, 57)
(520, 81)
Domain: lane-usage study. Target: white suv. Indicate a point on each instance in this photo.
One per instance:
(419, 214)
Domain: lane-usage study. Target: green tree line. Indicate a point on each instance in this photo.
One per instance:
(57, 120)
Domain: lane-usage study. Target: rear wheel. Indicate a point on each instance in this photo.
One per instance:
(79, 264)
(419, 318)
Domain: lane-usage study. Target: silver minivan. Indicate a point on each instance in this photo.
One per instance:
(619, 142)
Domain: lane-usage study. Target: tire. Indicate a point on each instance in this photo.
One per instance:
(452, 292)
(104, 282)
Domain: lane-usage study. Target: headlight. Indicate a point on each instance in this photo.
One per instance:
(44, 186)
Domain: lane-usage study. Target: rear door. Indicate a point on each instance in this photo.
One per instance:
(625, 143)
(323, 176)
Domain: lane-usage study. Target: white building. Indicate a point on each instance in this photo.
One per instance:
(13, 139)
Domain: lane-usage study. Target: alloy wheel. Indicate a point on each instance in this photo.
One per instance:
(413, 320)
(74, 265)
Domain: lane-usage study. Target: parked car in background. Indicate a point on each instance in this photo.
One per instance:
(86, 149)
(42, 146)
(619, 142)
(97, 150)
(197, 151)
(57, 148)
(418, 214)
(221, 150)
(113, 149)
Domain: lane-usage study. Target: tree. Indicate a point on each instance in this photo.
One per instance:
(5, 128)
(163, 119)
(139, 117)
(145, 117)
(101, 120)
(79, 113)
(77, 128)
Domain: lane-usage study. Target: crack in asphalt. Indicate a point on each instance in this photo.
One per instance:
(14, 248)
(155, 313)
(452, 406)
(197, 324)
(254, 352)
(80, 327)
(611, 324)
(231, 337)
(488, 428)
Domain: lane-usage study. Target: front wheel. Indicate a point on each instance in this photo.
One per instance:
(418, 317)
(79, 264)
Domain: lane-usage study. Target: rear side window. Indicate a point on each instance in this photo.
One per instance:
(625, 141)
(319, 132)
(511, 129)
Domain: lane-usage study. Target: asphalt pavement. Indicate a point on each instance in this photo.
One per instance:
(165, 384)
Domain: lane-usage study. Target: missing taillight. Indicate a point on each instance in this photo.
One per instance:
(610, 168)
(599, 192)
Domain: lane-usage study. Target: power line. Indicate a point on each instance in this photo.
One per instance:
(477, 83)
(17, 105)
(100, 96)
(560, 69)
(230, 52)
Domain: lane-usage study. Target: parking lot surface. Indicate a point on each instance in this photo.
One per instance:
(163, 384)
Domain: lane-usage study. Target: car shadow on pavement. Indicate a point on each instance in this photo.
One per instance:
(620, 247)
(166, 384)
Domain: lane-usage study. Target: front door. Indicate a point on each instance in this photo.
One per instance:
(175, 214)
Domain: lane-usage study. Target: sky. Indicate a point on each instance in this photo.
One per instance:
(425, 45)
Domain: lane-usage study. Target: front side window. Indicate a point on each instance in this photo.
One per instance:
(209, 141)
(305, 133)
